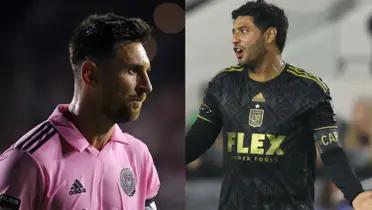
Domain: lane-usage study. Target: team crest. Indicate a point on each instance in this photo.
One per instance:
(128, 181)
(256, 117)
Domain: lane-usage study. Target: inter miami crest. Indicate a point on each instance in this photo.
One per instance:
(256, 117)
(128, 181)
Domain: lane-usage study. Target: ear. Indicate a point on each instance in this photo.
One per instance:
(270, 35)
(89, 73)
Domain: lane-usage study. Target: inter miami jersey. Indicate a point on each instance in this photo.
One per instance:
(269, 149)
(54, 167)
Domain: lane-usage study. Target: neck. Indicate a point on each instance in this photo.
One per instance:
(92, 124)
(268, 69)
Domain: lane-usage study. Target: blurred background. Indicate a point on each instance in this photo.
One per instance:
(332, 39)
(35, 75)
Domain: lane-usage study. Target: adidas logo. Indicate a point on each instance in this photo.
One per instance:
(76, 188)
(258, 98)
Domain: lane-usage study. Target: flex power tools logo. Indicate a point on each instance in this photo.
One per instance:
(260, 148)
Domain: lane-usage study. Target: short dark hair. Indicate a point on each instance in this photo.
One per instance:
(265, 15)
(97, 36)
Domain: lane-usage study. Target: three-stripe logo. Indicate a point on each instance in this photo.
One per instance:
(37, 138)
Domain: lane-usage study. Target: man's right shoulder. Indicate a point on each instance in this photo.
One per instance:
(35, 138)
(24, 153)
(21, 177)
(18, 161)
(228, 72)
(27, 147)
(225, 78)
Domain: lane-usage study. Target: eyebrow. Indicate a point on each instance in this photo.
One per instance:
(138, 67)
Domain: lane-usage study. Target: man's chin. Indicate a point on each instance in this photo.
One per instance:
(242, 61)
(128, 115)
(134, 116)
(134, 113)
(246, 63)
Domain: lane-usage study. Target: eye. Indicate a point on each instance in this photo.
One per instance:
(131, 71)
(243, 30)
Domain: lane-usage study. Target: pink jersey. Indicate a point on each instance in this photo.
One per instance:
(53, 167)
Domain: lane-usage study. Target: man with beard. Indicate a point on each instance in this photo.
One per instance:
(79, 158)
(274, 115)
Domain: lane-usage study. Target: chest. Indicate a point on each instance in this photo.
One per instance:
(266, 123)
(275, 106)
(109, 180)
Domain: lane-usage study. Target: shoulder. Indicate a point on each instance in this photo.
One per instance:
(229, 72)
(17, 161)
(226, 77)
(36, 140)
(22, 177)
(311, 81)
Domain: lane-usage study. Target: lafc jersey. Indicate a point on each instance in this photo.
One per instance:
(269, 150)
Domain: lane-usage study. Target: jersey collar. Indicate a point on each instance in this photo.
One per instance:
(72, 135)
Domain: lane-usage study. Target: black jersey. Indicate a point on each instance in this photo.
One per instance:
(269, 149)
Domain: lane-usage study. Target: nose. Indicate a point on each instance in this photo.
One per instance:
(235, 38)
(144, 83)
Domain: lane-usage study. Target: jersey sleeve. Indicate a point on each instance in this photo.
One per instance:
(208, 110)
(323, 115)
(324, 127)
(207, 126)
(21, 182)
(152, 178)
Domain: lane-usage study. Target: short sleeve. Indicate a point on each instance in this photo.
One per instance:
(152, 178)
(21, 182)
(323, 115)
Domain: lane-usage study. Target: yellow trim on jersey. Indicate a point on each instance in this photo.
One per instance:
(232, 69)
(204, 118)
(307, 75)
(301, 71)
(326, 127)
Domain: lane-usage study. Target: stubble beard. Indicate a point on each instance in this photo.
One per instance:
(256, 54)
(130, 112)
(134, 111)
(123, 113)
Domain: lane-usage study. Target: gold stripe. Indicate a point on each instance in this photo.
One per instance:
(308, 77)
(303, 72)
(204, 118)
(321, 128)
(303, 75)
(230, 70)
(233, 68)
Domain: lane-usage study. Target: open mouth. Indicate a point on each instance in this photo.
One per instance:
(238, 52)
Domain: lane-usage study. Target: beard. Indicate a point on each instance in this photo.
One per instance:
(254, 55)
(126, 111)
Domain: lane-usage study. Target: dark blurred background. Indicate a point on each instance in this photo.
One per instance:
(35, 75)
